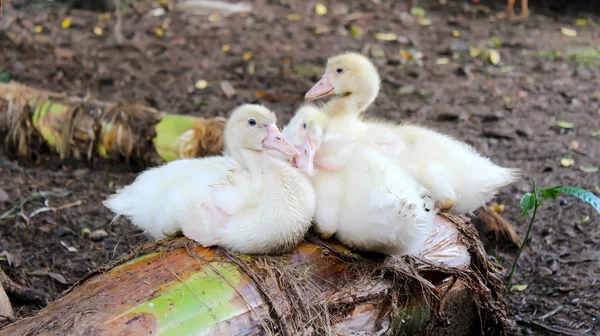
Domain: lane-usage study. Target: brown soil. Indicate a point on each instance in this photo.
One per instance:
(507, 112)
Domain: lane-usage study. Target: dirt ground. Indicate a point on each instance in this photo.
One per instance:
(507, 111)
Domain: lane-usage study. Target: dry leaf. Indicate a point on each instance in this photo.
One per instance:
(494, 57)
(567, 162)
(39, 29)
(98, 235)
(3, 196)
(424, 22)
(574, 144)
(58, 277)
(581, 22)
(474, 52)
(494, 227)
(66, 23)
(227, 89)
(568, 31)
(455, 33)
(320, 9)
(386, 36)
(247, 56)
(498, 208)
(294, 17)
(98, 31)
(225, 48)
(159, 31)
(589, 169)
(518, 288)
(201, 84)
(442, 61)
(356, 31)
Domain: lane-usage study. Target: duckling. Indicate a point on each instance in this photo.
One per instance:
(362, 197)
(248, 200)
(458, 178)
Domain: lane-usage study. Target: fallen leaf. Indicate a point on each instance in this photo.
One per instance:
(158, 11)
(247, 56)
(595, 133)
(377, 52)
(69, 248)
(386, 36)
(58, 277)
(417, 11)
(581, 22)
(494, 57)
(568, 31)
(39, 29)
(574, 144)
(455, 33)
(85, 231)
(497, 41)
(405, 54)
(596, 189)
(474, 52)
(507, 69)
(424, 22)
(159, 31)
(3, 196)
(564, 124)
(320, 30)
(589, 169)
(11, 259)
(583, 220)
(227, 89)
(596, 96)
(98, 235)
(492, 226)
(356, 31)
(498, 208)
(507, 100)
(442, 61)
(567, 162)
(225, 48)
(98, 31)
(201, 84)
(294, 17)
(103, 16)
(518, 288)
(522, 94)
(80, 172)
(214, 17)
(320, 9)
(66, 23)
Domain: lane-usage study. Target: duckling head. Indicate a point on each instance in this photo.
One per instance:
(306, 131)
(351, 76)
(253, 127)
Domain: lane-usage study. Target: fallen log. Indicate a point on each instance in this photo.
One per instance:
(175, 287)
(85, 128)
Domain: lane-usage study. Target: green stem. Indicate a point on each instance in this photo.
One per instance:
(536, 204)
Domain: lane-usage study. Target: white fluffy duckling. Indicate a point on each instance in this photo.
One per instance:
(248, 201)
(458, 178)
(363, 197)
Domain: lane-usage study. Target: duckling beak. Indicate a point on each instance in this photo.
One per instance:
(323, 88)
(275, 140)
(307, 155)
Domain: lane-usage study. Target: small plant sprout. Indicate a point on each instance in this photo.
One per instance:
(532, 201)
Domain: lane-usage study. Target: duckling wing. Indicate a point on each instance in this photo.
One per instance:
(161, 200)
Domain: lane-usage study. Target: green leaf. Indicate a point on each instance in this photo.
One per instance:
(497, 42)
(584, 195)
(550, 193)
(564, 124)
(527, 203)
(583, 220)
(518, 288)
(589, 169)
(417, 11)
(4, 77)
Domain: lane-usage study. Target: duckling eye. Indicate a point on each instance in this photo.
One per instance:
(339, 70)
(251, 122)
(304, 125)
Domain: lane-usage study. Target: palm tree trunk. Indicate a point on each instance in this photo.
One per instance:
(89, 129)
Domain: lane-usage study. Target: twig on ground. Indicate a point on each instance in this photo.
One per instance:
(23, 293)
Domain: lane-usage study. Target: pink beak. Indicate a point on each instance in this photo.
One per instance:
(275, 140)
(307, 155)
(323, 88)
